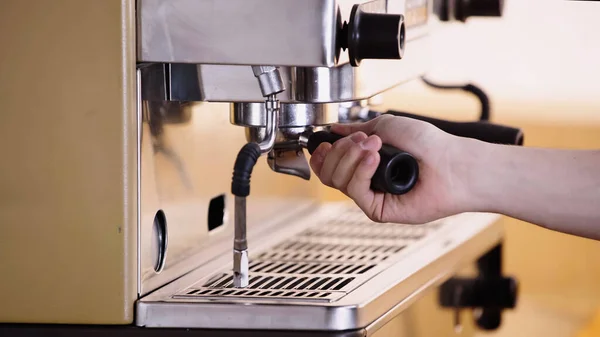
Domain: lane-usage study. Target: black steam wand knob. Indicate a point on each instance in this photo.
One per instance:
(373, 36)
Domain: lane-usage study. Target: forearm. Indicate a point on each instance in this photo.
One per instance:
(556, 189)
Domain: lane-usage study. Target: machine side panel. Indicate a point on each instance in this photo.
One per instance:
(68, 140)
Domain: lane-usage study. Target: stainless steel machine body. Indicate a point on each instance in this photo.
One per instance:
(141, 223)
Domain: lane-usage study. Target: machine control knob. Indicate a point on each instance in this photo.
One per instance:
(472, 8)
(373, 36)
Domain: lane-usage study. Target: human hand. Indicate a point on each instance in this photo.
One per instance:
(349, 164)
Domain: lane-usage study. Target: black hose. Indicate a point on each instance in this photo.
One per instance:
(242, 169)
(470, 88)
(484, 131)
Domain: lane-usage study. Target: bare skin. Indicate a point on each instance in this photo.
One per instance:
(555, 189)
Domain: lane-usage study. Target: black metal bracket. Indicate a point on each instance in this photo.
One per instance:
(488, 294)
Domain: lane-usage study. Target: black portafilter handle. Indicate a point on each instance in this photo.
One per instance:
(484, 131)
(397, 173)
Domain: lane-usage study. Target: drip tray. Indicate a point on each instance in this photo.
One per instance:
(333, 270)
(320, 263)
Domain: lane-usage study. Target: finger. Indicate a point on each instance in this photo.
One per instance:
(359, 187)
(334, 155)
(348, 163)
(346, 167)
(368, 127)
(318, 157)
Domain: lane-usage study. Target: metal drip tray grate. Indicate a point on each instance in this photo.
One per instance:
(315, 251)
(313, 288)
(309, 268)
(321, 263)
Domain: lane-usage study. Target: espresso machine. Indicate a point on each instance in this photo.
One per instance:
(122, 122)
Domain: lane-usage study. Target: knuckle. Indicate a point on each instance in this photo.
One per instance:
(341, 144)
(338, 181)
(352, 190)
(384, 119)
(360, 135)
(326, 180)
(355, 152)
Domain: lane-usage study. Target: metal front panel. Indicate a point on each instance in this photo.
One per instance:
(261, 32)
(343, 83)
(187, 156)
(69, 176)
(295, 284)
(302, 33)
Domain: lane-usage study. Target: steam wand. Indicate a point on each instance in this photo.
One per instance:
(271, 84)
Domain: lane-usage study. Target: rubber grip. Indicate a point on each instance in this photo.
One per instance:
(397, 173)
(484, 131)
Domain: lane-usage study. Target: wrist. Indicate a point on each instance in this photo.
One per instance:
(472, 175)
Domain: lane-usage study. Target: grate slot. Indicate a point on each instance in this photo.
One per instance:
(319, 268)
(294, 270)
(285, 282)
(259, 266)
(281, 268)
(308, 283)
(261, 282)
(320, 283)
(353, 270)
(300, 246)
(366, 269)
(337, 270)
(348, 269)
(224, 282)
(344, 283)
(307, 269)
(272, 283)
(332, 283)
(310, 246)
(329, 270)
(270, 267)
(211, 282)
(254, 279)
(295, 284)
